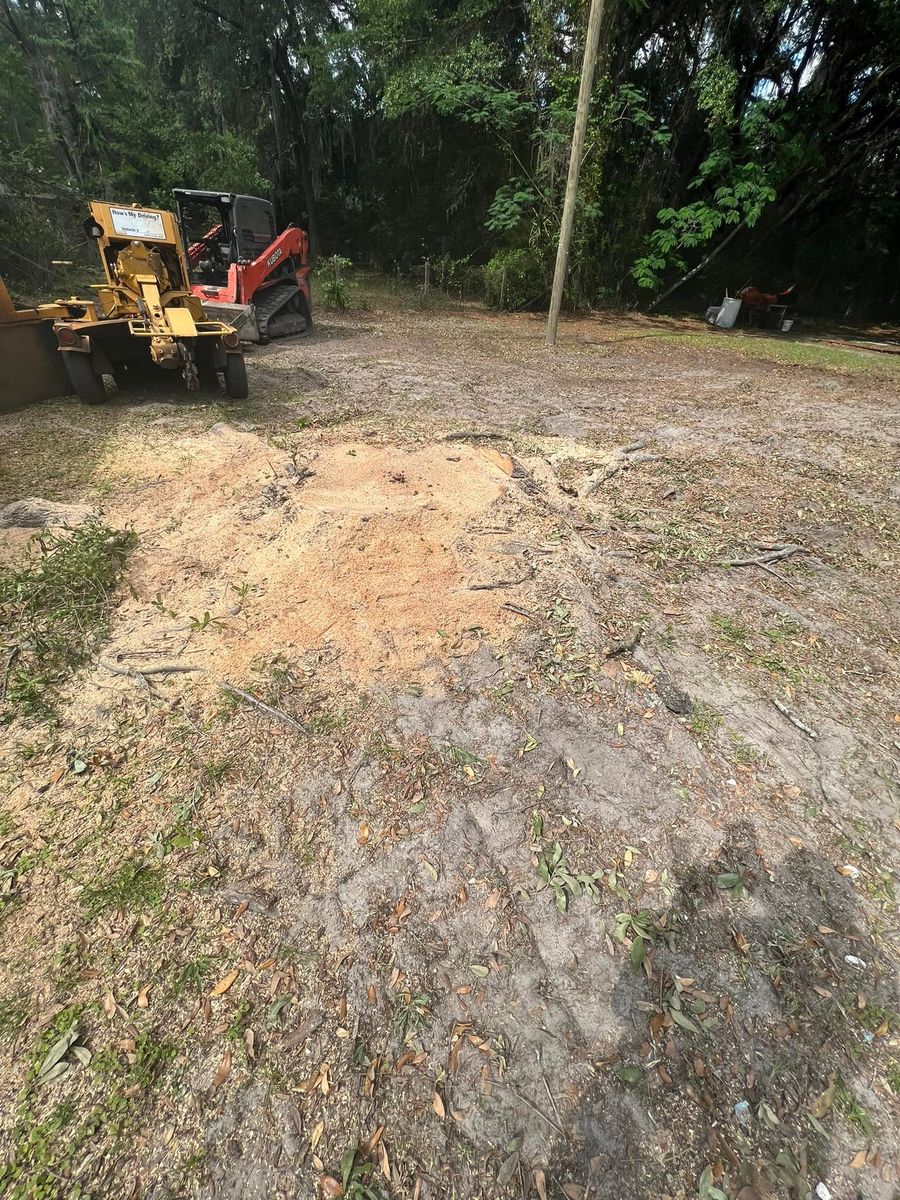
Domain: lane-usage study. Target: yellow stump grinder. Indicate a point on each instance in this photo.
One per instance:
(144, 310)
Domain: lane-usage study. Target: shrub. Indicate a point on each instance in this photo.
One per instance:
(527, 280)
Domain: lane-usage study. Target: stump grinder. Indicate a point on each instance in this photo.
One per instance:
(144, 312)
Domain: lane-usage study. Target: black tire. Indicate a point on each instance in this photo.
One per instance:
(85, 380)
(236, 377)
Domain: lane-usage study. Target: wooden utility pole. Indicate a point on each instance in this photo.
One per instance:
(588, 64)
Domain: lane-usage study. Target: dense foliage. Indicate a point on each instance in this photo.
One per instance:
(756, 139)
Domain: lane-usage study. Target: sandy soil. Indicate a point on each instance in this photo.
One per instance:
(561, 858)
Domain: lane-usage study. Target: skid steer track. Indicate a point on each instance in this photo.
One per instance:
(281, 310)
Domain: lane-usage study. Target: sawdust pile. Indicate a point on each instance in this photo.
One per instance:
(369, 550)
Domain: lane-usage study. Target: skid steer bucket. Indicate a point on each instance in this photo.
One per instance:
(31, 366)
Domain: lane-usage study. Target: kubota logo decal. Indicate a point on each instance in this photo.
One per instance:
(273, 258)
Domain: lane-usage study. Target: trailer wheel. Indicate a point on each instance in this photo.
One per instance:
(83, 376)
(236, 377)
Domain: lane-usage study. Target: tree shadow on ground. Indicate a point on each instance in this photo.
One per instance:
(757, 1042)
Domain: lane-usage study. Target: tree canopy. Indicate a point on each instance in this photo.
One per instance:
(756, 139)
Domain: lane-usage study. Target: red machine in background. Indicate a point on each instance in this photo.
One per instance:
(244, 271)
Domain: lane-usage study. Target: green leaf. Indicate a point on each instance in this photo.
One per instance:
(347, 1160)
(682, 1019)
(638, 953)
(629, 1075)
(56, 1053)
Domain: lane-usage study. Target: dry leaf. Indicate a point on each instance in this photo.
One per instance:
(364, 834)
(316, 1135)
(539, 1179)
(143, 1000)
(224, 984)
(372, 994)
(573, 1191)
(369, 1144)
(438, 1105)
(822, 1103)
(859, 1161)
(250, 1043)
(330, 1187)
(109, 1005)
(224, 1070)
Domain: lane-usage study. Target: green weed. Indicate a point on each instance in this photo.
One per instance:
(846, 1102)
(13, 1016)
(54, 611)
(410, 1011)
(566, 884)
(704, 720)
(133, 887)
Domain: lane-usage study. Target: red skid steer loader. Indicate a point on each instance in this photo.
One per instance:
(242, 269)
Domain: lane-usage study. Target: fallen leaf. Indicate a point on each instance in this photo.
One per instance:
(143, 1000)
(573, 1191)
(109, 1005)
(250, 1043)
(330, 1187)
(364, 833)
(508, 1169)
(224, 1070)
(371, 994)
(539, 1179)
(438, 1105)
(741, 942)
(224, 983)
(859, 1161)
(370, 1143)
(316, 1135)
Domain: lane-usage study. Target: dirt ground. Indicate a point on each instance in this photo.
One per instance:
(530, 848)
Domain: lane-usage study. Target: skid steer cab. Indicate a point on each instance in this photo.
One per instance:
(242, 269)
(145, 311)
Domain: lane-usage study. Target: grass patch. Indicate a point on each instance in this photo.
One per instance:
(54, 611)
(13, 1016)
(133, 887)
(46, 1146)
(771, 649)
(704, 720)
(813, 355)
(850, 1107)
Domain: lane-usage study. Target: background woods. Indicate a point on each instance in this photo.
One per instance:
(759, 138)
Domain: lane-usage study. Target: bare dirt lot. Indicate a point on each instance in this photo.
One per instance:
(477, 776)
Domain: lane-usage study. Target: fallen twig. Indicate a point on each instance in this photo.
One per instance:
(6, 670)
(534, 1108)
(158, 669)
(786, 712)
(522, 612)
(276, 713)
(625, 456)
(772, 554)
(501, 583)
